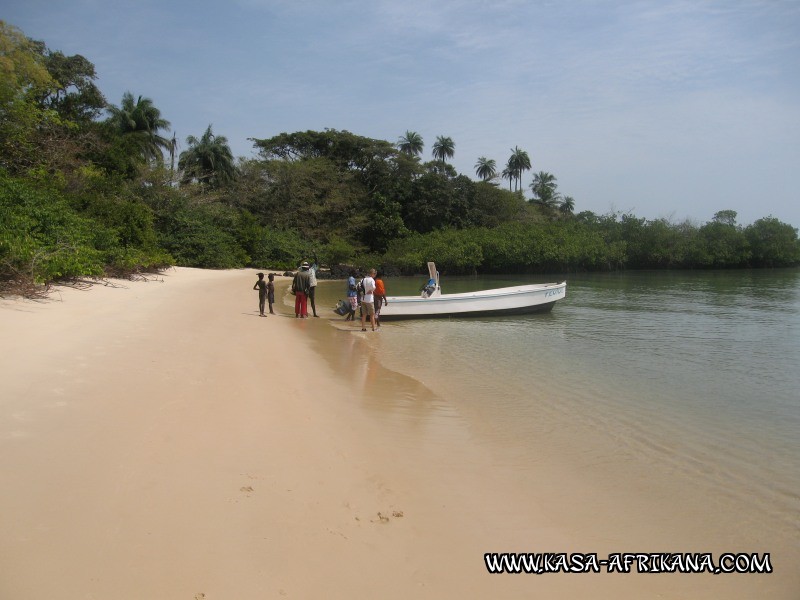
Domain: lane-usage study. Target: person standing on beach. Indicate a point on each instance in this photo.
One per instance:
(300, 285)
(352, 295)
(312, 287)
(368, 302)
(261, 286)
(380, 297)
(271, 291)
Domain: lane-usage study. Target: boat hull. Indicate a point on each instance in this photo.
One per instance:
(529, 299)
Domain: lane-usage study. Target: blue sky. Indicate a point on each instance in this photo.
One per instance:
(663, 108)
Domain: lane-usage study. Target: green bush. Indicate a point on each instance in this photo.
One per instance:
(194, 240)
(773, 244)
(275, 249)
(42, 238)
(454, 251)
(337, 251)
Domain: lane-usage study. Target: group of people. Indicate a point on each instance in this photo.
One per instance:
(304, 285)
(369, 294)
(266, 293)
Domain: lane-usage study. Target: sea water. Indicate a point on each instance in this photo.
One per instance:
(694, 376)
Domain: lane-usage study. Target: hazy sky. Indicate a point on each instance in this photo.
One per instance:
(665, 108)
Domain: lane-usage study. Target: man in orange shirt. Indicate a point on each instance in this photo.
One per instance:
(380, 297)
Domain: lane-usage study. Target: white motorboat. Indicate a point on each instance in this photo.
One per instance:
(515, 300)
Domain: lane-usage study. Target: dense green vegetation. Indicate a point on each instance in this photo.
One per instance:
(88, 188)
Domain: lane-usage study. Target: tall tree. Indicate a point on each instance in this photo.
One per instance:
(207, 160)
(726, 217)
(411, 143)
(567, 205)
(486, 168)
(518, 163)
(74, 95)
(544, 188)
(173, 148)
(443, 148)
(141, 121)
(22, 66)
(508, 174)
(23, 78)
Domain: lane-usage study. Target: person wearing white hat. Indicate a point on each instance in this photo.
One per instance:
(300, 287)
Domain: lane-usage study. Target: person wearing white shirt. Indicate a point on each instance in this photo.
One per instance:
(312, 287)
(368, 302)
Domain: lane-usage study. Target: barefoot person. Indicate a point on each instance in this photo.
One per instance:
(261, 286)
(271, 292)
(368, 302)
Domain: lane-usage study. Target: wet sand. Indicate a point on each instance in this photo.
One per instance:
(161, 440)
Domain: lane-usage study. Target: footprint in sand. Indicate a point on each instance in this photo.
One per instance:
(382, 518)
(247, 489)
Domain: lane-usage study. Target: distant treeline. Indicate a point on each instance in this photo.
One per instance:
(88, 188)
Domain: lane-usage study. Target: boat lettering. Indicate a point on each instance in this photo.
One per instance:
(557, 292)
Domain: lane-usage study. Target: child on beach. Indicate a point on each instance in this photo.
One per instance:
(261, 286)
(271, 291)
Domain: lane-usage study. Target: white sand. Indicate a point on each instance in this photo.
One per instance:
(160, 440)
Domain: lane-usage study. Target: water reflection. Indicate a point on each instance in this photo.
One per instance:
(417, 417)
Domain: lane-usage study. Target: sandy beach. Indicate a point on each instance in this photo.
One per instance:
(160, 440)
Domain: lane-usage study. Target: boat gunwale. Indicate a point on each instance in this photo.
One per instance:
(483, 294)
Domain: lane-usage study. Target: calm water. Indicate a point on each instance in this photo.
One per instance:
(693, 374)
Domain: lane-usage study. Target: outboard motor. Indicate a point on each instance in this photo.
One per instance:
(429, 288)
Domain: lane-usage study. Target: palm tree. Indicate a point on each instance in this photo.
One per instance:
(486, 168)
(567, 205)
(518, 162)
(508, 174)
(142, 122)
(173, 148)
(411, 143)
(544, 189)
(443, 148)
(208, 160)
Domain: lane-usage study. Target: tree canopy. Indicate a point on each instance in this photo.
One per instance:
(207, 161)
(443, 148)
(84, 196)
(411, 143)
(140, 121)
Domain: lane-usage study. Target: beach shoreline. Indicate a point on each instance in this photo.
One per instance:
(160, 442)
